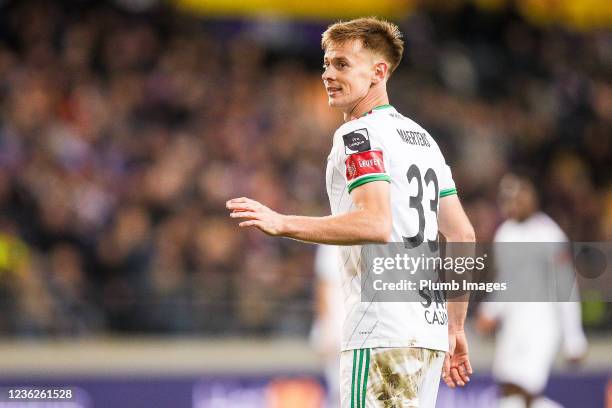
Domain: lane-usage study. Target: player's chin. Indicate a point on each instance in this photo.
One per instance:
(335, 102)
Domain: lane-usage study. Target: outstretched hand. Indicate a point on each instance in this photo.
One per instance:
(456, 370)
(256, 215)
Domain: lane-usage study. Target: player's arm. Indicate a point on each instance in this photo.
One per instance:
(369, 222)
(574, 340)
(454, 224)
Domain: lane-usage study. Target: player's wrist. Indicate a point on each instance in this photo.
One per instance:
(284, 226)
(456, 329)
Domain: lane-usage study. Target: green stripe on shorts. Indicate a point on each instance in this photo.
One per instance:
(359, 379)
(359, 387)
(365, 378)
(353, 379)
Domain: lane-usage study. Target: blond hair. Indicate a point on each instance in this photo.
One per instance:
(378, 35)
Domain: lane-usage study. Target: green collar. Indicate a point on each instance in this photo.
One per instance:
(377, 108)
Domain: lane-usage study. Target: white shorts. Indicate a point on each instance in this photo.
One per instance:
(526, 346)
(390, 377)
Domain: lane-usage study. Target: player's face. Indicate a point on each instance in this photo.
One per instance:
(516, 198)
(349, 70)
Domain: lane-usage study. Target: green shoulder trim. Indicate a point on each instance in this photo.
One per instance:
(368, 179)
(447, 192)
(385, 106)
(377, 108)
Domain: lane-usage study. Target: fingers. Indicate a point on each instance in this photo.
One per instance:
(239, 200)
(468, 367)
(449, 383)
(463, 373)
(456, 374)
(460, 373)
(251, 223)
(249, 210)
(249, 215)
(455, 377)
(242, 203)
(241, 206)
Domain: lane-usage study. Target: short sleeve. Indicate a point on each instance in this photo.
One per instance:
(447, 184)
(359, 156)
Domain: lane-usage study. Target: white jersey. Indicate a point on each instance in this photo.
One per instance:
(530, 332)
(384, 145)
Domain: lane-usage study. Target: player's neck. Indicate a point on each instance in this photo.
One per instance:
(526, 216)
(377, 96)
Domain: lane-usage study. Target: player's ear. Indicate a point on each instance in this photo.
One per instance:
(380, 72)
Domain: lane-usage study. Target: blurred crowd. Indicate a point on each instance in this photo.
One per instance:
(122, 136)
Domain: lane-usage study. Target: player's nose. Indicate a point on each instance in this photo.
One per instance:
(327, 74)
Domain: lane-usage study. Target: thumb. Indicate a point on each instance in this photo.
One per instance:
(446, 366)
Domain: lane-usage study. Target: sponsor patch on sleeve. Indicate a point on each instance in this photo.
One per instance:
(363, 163)
(356, 141)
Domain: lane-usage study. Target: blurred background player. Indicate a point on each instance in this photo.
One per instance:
(529, 332)
(326, 333)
